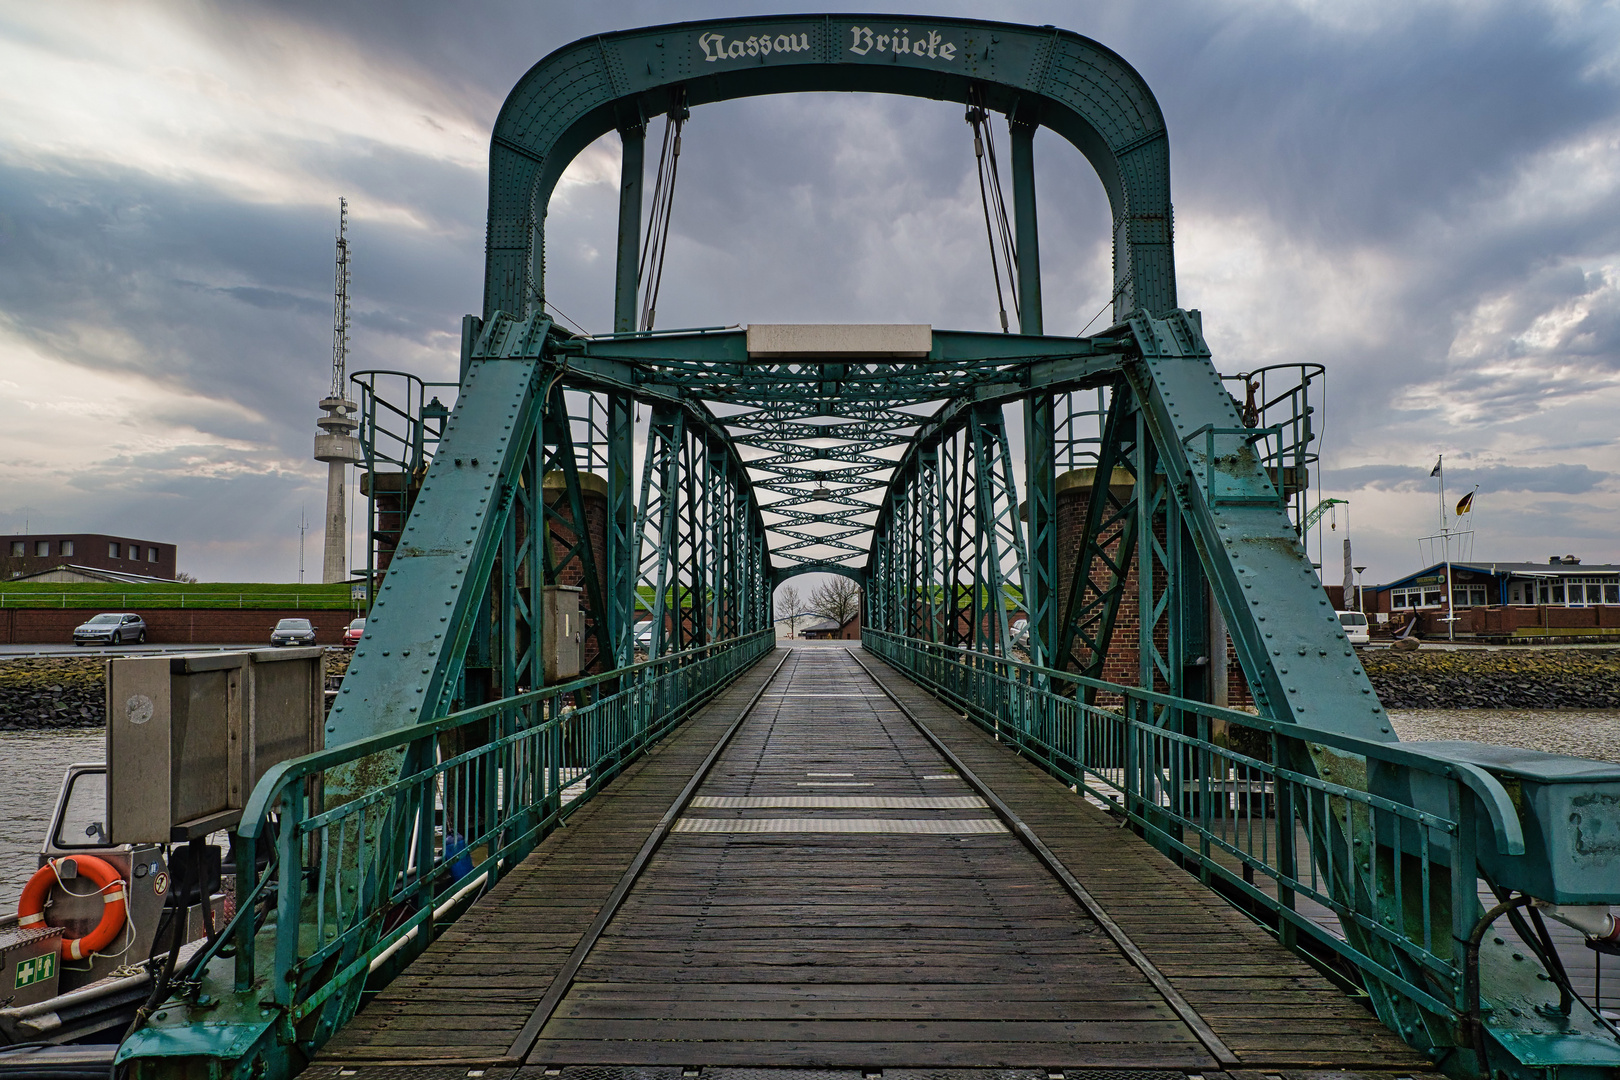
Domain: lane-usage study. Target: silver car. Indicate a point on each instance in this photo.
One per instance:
(111, 628)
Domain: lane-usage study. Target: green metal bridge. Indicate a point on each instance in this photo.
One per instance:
(1153, 516)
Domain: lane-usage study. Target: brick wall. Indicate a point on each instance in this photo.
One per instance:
(185, 626)
(1505, 620)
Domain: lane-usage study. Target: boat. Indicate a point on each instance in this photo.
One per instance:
(136, 873)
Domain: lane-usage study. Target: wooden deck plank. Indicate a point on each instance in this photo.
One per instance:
(844, 950)
(560, 887)
(1162, 908)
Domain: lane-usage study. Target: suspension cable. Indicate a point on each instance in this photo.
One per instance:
(997, 226)
(663, 201)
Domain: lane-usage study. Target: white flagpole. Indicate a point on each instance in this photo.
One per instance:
(1445, 538)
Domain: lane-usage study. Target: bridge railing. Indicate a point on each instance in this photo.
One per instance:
(454, 803)
(1224, 790)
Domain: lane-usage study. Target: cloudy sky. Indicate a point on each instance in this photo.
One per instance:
(1424, 197)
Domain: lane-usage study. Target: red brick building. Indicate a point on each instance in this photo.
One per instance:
(35, 553)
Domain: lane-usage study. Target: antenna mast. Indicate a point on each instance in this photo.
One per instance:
(336, 444)
(340, 303)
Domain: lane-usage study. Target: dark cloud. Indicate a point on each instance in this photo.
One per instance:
(1396, 169)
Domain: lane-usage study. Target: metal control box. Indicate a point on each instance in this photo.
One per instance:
(563, 632)
(188, 736)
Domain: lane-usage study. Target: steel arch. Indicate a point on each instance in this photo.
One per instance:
(1045, 76)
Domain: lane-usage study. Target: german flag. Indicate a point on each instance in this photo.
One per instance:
(1466, 503)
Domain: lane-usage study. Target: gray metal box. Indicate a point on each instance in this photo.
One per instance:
(174, 729)
(563, 632)
(286, 710)
(30, 965)
(188, 736)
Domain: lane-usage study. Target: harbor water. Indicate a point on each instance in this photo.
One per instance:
(36, 760)
(1577, 732)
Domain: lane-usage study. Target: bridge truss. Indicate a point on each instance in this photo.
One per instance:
(451, 752)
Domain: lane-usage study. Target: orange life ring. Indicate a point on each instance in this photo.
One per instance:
(109, 883)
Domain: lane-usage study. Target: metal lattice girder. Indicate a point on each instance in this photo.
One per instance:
(820, 440)
(1107, 547)
(1287, 636)
(1001, 565)
(949, 559)
(566, 518)
(657, 524)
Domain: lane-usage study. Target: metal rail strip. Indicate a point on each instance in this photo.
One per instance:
(530, 1032)
(1182, 1007)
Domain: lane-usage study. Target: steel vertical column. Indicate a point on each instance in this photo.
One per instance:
(621, 541)
(718, 550)
(632, 167)
(882, 588)
(1040, 466)
(1027, 236)
(938, 546)
(621, 547)
(1040, 487)
(898, 567)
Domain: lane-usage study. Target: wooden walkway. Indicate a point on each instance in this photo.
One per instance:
(837, 895)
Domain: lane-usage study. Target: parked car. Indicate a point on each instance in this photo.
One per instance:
(353, 632)
(293, 632)
(1355, 627)
(644, 634)
(111, 628)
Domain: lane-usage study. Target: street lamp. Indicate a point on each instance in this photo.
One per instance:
(1359, 606)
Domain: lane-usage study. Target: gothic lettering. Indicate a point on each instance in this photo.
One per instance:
(900, 42)
(717, 47)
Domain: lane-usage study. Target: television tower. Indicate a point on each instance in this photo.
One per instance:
(336, 444)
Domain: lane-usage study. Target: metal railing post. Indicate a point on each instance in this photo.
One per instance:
(290, 895)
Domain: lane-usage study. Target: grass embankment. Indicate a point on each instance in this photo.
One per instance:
(71, 691)
(1496, 678)
(101, 596)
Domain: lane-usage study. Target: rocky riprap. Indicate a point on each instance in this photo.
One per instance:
(1496, 678)
(52, 692)
(71, 691)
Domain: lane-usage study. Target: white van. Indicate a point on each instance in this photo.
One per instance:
(1355, 626)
